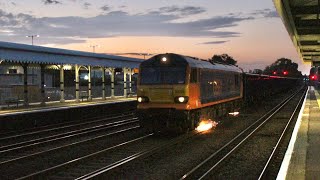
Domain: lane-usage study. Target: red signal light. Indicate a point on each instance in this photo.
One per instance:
(285, 72)
(313, 77)
(274, 73)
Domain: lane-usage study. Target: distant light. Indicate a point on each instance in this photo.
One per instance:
(67, 67)
(139, 99)
(86, 77)
(285, 72)
(164, 59)
(274, 72)
(234, 113)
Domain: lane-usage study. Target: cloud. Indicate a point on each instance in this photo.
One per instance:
(105, 8)
(266, 13)
(51, 2)
(215, 42)
(86, 5)
(183, 11)
(63, 30)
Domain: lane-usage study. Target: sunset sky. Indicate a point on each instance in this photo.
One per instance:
(248, 30)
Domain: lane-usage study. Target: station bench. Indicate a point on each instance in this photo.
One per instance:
(12, 100)
(84, 94)
(130, 94)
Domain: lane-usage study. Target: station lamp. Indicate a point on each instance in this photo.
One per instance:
(32, 36)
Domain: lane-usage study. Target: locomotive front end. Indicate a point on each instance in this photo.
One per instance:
(163, 93)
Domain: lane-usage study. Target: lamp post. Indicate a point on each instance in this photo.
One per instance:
(32, 36)
(94, 48)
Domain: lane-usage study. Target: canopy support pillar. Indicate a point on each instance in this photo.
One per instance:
(43, 93)
(112, 72)
(62, 84)
(103, 83)
(125, 93)
(77, 68)
(25, 84)
(89, 84)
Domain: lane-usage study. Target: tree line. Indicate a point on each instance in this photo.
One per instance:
(281, 67)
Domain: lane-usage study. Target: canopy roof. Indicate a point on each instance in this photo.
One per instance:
(301, 18)
(21, 53)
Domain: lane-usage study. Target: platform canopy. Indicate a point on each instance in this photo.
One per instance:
(301, 18)
(21, 53)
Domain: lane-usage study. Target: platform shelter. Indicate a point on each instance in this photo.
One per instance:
(27, 57)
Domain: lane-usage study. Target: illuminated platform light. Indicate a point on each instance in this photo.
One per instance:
(234, 113)
(206, 125)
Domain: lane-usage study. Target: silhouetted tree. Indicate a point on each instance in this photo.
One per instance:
(223, 58)
(257, 71)
(283, 67)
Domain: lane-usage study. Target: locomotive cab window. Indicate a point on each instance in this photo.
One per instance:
(163, 75)
(193, 75)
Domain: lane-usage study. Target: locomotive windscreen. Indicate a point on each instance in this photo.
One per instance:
(162, 75)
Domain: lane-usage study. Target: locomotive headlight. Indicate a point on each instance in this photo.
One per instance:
(181, 99)
(142, 99)
(164, 59)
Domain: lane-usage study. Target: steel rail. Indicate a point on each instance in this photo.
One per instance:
(135, 156)
(69, 145)
(60, 127)
(281, 138)
(248, 136)
(60, 136)
(80, 159)
(264, 118)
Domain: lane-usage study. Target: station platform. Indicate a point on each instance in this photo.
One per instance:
(56, 105)
(302, 159)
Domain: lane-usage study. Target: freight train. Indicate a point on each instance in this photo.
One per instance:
(176, 92)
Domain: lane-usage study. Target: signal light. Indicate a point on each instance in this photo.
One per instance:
(285, 72)
(313, 77)
(274, 73)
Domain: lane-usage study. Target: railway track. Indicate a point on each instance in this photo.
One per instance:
(25, 153)
(123, 153)
(244, 156)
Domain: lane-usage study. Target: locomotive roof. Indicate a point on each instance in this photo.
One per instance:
(192, 62)
(208, 65)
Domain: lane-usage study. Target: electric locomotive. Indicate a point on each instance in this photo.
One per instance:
(176, 92)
